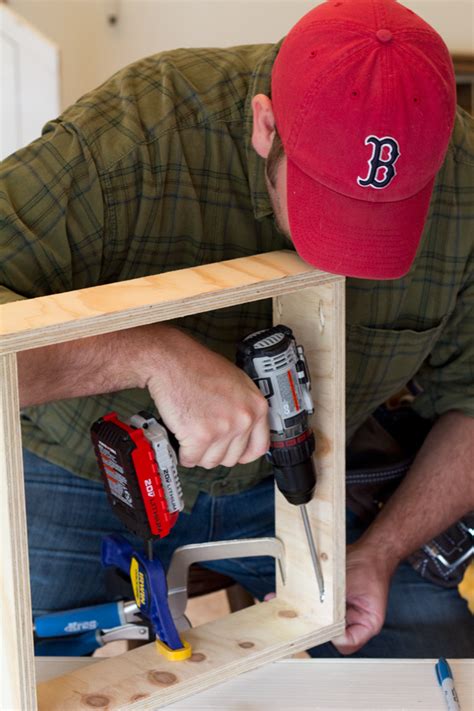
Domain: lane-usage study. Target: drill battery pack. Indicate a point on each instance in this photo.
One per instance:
(145, 496)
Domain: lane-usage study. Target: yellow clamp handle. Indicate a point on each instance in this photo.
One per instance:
(174, 655)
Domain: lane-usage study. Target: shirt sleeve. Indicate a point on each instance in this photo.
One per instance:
(447, 375)
(52, 217)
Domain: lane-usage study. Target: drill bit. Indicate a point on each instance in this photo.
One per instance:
(312, 550)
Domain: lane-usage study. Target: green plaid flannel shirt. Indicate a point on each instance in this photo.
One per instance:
(154, 171)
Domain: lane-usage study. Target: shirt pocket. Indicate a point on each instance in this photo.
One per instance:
(380, 361)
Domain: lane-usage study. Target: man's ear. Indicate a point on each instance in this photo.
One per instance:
(263, 124)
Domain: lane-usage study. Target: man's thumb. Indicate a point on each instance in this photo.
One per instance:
(355, 636)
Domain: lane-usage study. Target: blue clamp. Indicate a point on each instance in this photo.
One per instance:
(151, 593)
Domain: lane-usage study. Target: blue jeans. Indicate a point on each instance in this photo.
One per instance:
(67, 517)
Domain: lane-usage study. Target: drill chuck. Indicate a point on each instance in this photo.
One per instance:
(294, 470)
(296, 484)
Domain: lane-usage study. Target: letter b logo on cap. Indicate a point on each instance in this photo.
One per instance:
(385, 153)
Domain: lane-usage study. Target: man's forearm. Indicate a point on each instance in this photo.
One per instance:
(217, 413)
(437, 491)
(88, 366)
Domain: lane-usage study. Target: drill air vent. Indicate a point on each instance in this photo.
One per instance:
(270, 340)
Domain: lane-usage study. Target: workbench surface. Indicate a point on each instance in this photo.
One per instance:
(319, 684)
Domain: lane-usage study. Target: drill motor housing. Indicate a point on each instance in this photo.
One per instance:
(277, 365)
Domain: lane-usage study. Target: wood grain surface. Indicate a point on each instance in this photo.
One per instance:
(62, 317)
(322, 685)
(17, 689)
(316, 316)
(142, 679)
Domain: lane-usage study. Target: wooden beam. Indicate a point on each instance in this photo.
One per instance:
(17, 688)
(463, 64)
(63, 317)
(337, 684)
(316, 316)
(142, 679)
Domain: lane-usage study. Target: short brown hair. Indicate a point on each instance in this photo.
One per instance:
(274, 157)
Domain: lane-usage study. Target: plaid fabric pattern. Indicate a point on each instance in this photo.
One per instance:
(154, 171)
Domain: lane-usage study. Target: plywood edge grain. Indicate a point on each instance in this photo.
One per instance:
(339, 494)
(62, 317)
(17, 689)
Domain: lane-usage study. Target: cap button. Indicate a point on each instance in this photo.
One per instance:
(384, 35)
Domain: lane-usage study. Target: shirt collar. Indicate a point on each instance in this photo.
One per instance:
(260, 84)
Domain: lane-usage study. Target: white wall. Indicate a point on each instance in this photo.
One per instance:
(29, 81)
(92, 49)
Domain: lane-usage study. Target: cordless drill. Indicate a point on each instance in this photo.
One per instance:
(277, 365)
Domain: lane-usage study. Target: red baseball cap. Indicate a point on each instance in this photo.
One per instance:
(363, 94)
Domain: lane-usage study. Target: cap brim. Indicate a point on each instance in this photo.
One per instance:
(357, 238)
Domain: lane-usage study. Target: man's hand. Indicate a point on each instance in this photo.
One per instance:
(215, 410)
(437, 491)
(367, 585)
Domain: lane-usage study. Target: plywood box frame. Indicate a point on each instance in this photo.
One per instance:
(310, 302)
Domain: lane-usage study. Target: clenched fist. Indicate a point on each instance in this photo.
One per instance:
(216, 412)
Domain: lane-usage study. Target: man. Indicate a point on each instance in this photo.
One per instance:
(335, 141)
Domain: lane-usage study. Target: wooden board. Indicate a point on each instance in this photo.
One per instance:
(321, 684)
(16, 637)
(316, 317)
(63, 317)
(142, 679)
(252, 637)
